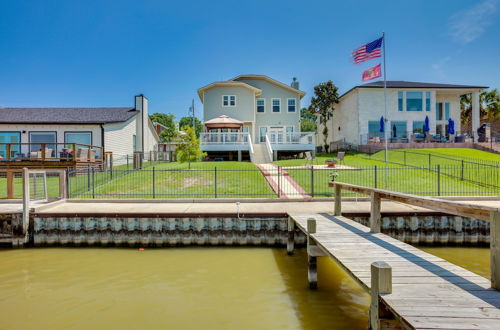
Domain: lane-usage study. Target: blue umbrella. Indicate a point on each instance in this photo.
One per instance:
(426, 124)
(451, 126)
(382, 124)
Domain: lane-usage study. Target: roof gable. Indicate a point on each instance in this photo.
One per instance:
(227, 83)
(272, 81)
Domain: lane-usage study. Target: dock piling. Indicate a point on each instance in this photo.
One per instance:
(495, 250)
(375, 215)
(381, 283)
(338, 200)
(290, 244)
(312, 262)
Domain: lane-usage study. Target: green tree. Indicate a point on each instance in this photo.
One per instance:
(489, 106)
(168, 120)
(307, 121)
(188, 121)
(188, 149)
(323, 105)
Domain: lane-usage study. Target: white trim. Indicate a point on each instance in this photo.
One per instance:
(257, 104)
(287, 105)
(272, 105)
(228, 101)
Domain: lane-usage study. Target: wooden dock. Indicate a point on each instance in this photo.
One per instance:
(410, 289)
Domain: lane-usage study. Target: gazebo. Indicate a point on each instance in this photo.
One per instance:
(223, 122)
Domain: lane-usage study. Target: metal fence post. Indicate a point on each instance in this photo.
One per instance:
(375, 175)
(404, 153)
(312, 181)
(88, 177)
(93, 183)
(153, 174)
(68, 188)
(439, 179)
(462, 171)
(215, 181)
(429, 162)
(127, 161)
(279, 182)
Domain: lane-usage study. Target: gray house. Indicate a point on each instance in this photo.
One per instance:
(253, 117)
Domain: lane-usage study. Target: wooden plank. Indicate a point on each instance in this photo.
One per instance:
(10, 185)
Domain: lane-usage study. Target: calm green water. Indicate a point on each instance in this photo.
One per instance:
(177, 288)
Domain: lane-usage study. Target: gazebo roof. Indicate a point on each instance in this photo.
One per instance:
(223, 122)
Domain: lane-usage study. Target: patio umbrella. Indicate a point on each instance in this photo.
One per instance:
(426, 124)
(451, 126)
(382, 125)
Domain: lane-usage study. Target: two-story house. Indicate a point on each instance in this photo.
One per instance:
(357, 117)
(252, 117)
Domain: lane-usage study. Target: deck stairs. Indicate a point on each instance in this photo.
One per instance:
(260, 154)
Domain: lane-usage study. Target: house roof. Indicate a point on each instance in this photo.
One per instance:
(413, 84)
(271, 80)
(227, 83)
(65, 115)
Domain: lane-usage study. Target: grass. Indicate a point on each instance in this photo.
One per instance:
(416, 177)
(174, 180)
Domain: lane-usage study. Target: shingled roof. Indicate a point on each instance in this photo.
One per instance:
(65, 115)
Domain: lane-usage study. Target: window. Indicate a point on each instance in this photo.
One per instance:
(263, 132)
(374, 129)
(42, 137)
(400, 101)
(447, 111)
(291, 105)
(414, 101)
(418, 126)
(10, 137)
(276, 105)
(78, 137)
(398, 129)
(261, 105)
(439, 111)
(427, 101)
(228, 100)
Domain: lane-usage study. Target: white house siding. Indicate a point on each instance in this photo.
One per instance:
(268, 118)
(345, 116)
(150, 140)
(118, 138)
(58, 128)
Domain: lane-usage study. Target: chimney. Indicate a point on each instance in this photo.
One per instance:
(141, 104)
(295, 83)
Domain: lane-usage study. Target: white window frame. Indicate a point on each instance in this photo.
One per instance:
(295, 105)
(257, 105)
(228, 101)
(272, 105)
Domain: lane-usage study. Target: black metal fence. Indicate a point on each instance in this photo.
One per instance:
(281, 182)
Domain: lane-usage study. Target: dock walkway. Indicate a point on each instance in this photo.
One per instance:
(427, 292)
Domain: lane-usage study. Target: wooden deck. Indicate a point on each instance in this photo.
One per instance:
(427, 292)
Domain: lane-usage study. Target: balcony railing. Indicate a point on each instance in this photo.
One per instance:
(224, 138)
(10, 152)
(291, 137)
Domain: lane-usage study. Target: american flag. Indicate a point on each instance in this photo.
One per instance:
(368, 51)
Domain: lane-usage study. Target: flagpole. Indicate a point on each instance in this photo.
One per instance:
(386, 121)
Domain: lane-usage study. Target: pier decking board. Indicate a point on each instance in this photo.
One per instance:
(427, 292)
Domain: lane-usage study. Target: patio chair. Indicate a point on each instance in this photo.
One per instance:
(340, 157)
(82, 154)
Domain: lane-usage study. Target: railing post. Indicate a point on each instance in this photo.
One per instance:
(375, 175)
(312, 181)
(215, 181)
(154, 189)
(291, 236)
(495, 249)
(93, 183)
(312, 261)
(404, 153)
(375, 215)
(7, 150)
(63, 185)
(439, 180)
(338, 200)
(279, 182)
(43, 151)
(10, 184)
(68, 187)
(429, 162)
(88, 177)
(462, 171)
(381, 283)
(26, 199)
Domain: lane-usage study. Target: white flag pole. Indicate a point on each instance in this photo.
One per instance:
(386, 120)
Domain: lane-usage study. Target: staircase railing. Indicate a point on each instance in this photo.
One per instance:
(250, 147)
(269, 148)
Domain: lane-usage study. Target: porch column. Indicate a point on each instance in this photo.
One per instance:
(475, 115)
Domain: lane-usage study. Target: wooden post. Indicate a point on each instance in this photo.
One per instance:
(26, 199)
(290, 244)
(338, 200)
(381, 283)
(63, 191)
(7, 151)
(375, 216)
(10, 184)
(43, 151)
(73, 147)
(495, 249)
(312, 260)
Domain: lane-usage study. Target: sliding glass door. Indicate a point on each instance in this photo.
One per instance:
(49, 138)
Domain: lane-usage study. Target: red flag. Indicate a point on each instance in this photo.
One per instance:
(372, 73)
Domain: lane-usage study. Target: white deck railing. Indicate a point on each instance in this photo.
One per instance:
(291, 137)
(224, 138)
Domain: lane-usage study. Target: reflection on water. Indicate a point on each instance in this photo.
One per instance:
(475, 259)
(177, 288)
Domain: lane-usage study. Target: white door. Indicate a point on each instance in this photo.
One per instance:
(277, 133)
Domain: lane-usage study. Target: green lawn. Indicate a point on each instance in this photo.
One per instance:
(416, 177)
(174, 180)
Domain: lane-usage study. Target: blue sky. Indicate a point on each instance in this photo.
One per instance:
(102, 53)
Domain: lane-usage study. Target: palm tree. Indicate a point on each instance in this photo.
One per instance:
(489, 106)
